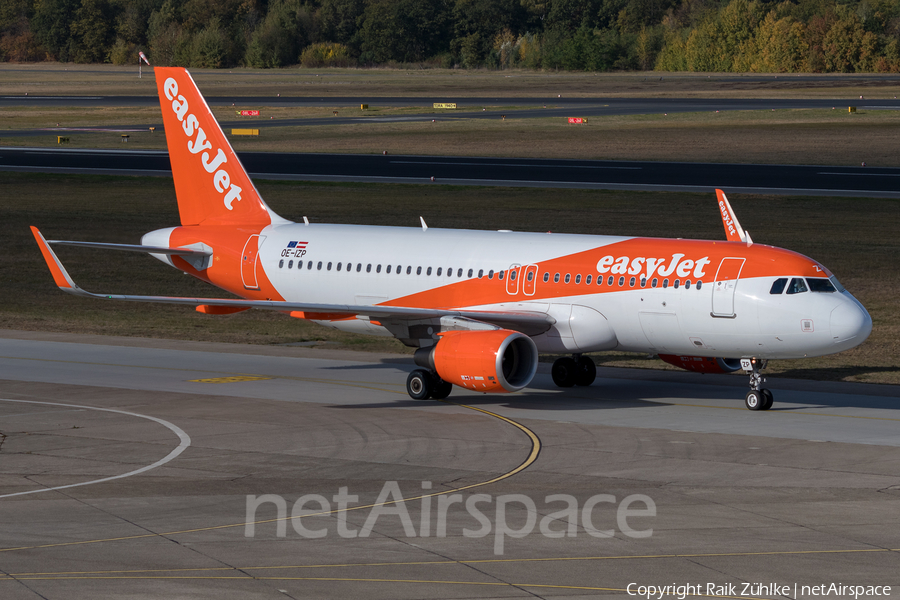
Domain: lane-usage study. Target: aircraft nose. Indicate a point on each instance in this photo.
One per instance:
(850, 321)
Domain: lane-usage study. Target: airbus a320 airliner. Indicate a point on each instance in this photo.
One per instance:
(480, 306)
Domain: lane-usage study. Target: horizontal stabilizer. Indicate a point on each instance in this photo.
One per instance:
(133, 248)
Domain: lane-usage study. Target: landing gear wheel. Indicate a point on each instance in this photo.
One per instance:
(564, 372)
(441, 389)
(768, 399)
(754, 400)
(586, 371)
(419, 384)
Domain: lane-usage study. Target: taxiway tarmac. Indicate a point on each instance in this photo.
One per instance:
(126, 465)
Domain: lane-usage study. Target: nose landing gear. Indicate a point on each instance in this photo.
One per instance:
(758, 398)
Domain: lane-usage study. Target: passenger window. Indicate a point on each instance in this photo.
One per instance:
(817, 285)
(378, 269)
(699, 284)
(339, 266)
(677, 283)
(369, 268)
(512, 275)
(459, 273)
(568, 277)
(546, 276)
(470, 272)
(531, 276)
(480, 273)
(439, 271)
(409, 269)
(587, 280)
(643, 282)
(309, 265)
(610, 280)
(418, 270)
(556, 278)
(631, 282)
(291, 264)
(578, 279)
(621, 282)
(500, 275)
(449, 272)
(654, 282)
(281, 263)
(328, 267)
(491, 274)
(428, 272)
(797, 286)
(388, 270)
(687, 284)
(778, 286)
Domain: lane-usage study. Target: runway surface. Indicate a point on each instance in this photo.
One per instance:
(159, 444)
(629, 175)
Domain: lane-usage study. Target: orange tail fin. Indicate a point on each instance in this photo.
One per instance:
(211, 184)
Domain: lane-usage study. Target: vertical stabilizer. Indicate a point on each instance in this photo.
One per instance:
(733, 230)
(211, 184)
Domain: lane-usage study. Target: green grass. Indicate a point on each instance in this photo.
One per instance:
(856, 238)
(73, 79)
(826, 137)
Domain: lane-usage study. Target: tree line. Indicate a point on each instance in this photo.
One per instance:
(593, 35)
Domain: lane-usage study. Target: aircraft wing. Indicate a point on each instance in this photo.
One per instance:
(530, 323)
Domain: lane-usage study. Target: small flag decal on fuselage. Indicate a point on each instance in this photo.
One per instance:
(294, 250)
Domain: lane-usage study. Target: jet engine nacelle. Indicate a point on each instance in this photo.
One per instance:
(703, 364)
(495, 361)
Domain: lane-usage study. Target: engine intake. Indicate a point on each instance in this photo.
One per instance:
(499, 360)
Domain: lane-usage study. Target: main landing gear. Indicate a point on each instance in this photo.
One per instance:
(758, 398)
(578, 370)
(422, 384)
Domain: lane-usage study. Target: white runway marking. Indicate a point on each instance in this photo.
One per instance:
(184, 443)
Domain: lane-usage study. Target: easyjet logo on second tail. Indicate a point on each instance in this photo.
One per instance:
(663, 267)
(191, 126)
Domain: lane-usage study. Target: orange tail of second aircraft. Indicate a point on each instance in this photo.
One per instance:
(211, 184)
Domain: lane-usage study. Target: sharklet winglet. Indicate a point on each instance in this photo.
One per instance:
(60, 275)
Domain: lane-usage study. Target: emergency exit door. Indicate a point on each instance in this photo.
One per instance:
(249, 260)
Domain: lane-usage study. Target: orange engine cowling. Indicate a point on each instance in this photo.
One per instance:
(498, 360)
(703, 364)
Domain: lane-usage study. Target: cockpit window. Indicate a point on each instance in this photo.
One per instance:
(818, 284)
(837, 284)
(778, 286)
(797, 286)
